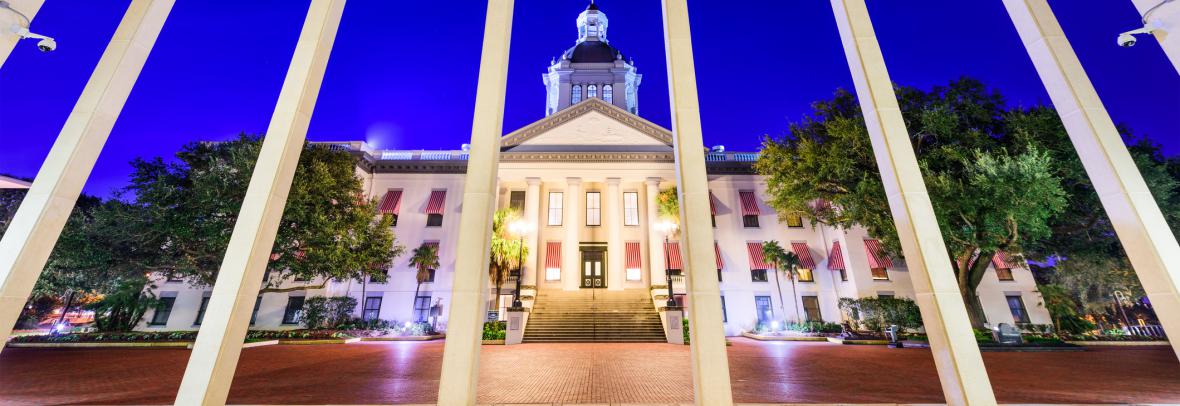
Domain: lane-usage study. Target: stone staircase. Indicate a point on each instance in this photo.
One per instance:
(593, 315)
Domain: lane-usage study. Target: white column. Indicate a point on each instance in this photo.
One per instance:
(655, 241)
(8, 38)
(710, 365)
(532, 204)
(956, 355)
(1136, 218)
(460, 366)
(214, 358)
(38, 222)
(571, 266)
(1167, 19)
(613, 219)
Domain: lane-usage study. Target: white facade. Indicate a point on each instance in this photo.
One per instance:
(586, 177)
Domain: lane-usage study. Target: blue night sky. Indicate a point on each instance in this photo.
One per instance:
(403, 74)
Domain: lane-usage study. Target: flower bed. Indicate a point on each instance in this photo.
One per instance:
(176, 336)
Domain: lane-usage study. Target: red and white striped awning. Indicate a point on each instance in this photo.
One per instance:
(553, 255)
(1001, 260)
(437, 203)
(432, 244)
(756, 260)
(712, 203)
(836, 257)
(717, 252)
(804, 254)
(672, 250)
(634, 261)
(877, 257)
(391, 203)
(749, 204)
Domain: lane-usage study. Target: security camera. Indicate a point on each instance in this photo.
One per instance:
(1127, 39)
(45, 44)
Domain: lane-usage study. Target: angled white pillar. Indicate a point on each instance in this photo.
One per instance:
(532, 206)
(655, 241)
(460, 364)
(1136, 218)
(42, 214)
(8, 38)
(956, 355)
(612, 218)
(710, 364)
(214, 358)
(1166, 18)
(571, 267)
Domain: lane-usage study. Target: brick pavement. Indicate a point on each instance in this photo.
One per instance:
(407, 372)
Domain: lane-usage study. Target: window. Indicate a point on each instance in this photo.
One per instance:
(555, 204)
(765, 312)
(805, 275)
(758, 275)
(724, 317)
(1016, 305)
(254, 314)
(811, 308)
(843, 275)
(434, 220)
(591, 91)
(372, 308)
(516, 201)
(794, 220)
(608, 93)
(577, 95)
(422, 307)
(880, 274)
(718, 275)
(749, 221)
(885, 295)
(163, 310)
(1004, 274)
(294, 310)
(593, 209)
(201, 311)
(713, 217)
(630, 208)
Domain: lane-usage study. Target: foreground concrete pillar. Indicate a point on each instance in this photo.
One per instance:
(43, 212)
(460, 365)
(532, 205)
(956, 355)
(710, 365)
(8, 38)
(215, 354)
(1136, 218)
(1167, 18)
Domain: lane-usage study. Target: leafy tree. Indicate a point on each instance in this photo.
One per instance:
(988, 195)
(123, 307)
(506, 249)
(424, 258)
(877, 314)
(1064, 310)
(327, 231)
(783, 261)
(668, 205)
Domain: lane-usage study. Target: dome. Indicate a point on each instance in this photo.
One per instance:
(592, 51)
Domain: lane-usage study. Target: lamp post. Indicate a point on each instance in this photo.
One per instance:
(520, 228)
(668, 227)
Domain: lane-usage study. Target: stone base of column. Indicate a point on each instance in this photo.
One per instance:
(673, 319)
(518, 317)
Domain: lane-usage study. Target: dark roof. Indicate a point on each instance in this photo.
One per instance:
(592, 51)
(592, 6)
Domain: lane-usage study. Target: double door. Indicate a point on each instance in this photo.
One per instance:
(593, 269)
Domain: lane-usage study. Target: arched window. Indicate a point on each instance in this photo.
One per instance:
(577, 96)
(591, 91)
(608, 93)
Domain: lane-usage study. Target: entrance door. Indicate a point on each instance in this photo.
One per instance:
(593, 272)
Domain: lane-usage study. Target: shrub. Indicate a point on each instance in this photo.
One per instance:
(983, 335)
(494, 330)
(322, 311)
(684, 322)
(879, 313)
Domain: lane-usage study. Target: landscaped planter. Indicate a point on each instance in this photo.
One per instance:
(761, 337)
(493, 342)
(1117, 343)
(93, 344)
(838, 340)
(300, 341)
(405, 338)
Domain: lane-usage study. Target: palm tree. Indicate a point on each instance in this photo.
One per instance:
(785, 261)
(424, 259)
(505, 250)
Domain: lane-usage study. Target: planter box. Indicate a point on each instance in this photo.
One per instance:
(1117, 343)
(838, 340)
(318, 342)
(493, 342)
(760, 337)
(405, 338)
(148, 344)
(255, 344)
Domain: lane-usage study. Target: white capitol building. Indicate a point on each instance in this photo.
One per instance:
(586, 176)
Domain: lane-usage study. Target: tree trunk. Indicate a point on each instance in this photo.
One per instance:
(414, 307)
(970, 269)
(781, 302)
(499, 279)
(795, 303)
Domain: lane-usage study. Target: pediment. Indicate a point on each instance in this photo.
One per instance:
(590, 125)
